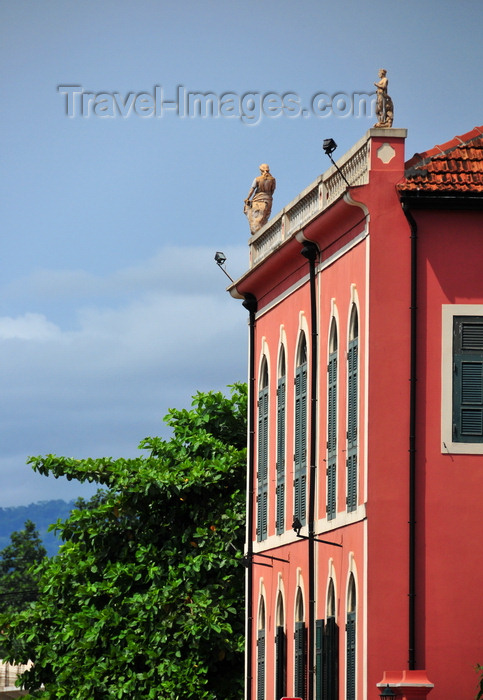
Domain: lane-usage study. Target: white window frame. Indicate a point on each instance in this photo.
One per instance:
(449, 311)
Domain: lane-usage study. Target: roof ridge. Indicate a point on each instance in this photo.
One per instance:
(455, 166)
(444, 148)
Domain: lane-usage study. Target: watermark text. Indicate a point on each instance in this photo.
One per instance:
(249, 107)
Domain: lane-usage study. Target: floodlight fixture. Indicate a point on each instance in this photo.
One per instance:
(297, 526)
(247, 560)
(329, 146)
(220, 259)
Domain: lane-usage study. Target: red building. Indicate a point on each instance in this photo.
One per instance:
(366, 444)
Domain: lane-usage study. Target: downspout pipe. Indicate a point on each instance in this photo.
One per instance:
(412, 439)
(310, 251)
(250, 303)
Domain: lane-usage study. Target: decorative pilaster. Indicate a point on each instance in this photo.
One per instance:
(407, 685)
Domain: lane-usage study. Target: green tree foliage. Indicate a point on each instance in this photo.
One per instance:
(18, 587)
(479, 670)
(145, 598)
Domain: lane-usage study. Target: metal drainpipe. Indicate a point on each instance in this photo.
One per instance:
(412, 440)
(310, 251)
(250, 304)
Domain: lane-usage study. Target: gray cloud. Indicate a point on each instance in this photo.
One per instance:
(98, 383)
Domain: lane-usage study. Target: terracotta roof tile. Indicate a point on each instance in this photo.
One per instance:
(454, 166)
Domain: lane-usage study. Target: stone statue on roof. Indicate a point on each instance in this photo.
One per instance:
(258, 204)
(384, 105)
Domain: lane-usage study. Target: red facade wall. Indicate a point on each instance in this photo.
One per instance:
(450, 527)
(285, 320)
(365, 260)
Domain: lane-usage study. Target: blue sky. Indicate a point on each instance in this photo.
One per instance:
(112, 309)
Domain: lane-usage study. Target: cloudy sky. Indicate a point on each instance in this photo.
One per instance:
(116, 192)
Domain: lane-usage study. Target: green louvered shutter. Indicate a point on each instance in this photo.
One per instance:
(280, 524)
(352, 482)
(352, 417)
(330, 663)
(300, 660)
(332, 437)
(261, 665)
(280, 663)
(262, 492)
(468, 379)
(300, 457)
(319, 645)
(351, 656)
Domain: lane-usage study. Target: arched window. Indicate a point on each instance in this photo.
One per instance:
(331, 600)
(281, 401)
(351, 640)
(300, 455)
(327, 651)
(332, 423)
(331, 648)
(261, 651)
(300, 653)
(352, 409)
(280, 651)
(262, 495)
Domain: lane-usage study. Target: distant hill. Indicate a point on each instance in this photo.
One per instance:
(43, 514)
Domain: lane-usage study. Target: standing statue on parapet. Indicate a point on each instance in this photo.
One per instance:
(258, 208)
(384, 106)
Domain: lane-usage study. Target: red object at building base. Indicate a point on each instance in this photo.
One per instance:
(407, 685)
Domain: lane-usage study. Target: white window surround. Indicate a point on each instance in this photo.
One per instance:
(280, 603)
(447, 444)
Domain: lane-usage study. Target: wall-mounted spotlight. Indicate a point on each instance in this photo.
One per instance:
(220, 259)
(248, 560)
(329, 146)
(297, 526)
